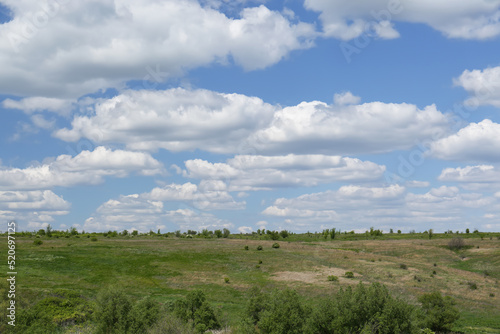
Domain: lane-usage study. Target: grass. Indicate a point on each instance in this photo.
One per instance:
(167, 268)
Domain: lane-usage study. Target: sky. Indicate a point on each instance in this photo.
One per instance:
(294, 114)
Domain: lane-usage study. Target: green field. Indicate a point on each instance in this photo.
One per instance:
(167, 268)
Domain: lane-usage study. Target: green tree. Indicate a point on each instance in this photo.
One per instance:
(48, 231)
(143, 315)
(333, 233)
(195, 308)
(113, 308)
(226, 233)
(218, 233)
(440, 312)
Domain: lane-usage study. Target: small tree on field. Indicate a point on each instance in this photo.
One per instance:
(440, 313)
(333, 232)
(218, 233)
(48, 231)
(431, 233)
(284, 234)
(226, 233)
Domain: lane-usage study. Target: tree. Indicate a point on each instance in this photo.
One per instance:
(112, 315)
(135, 232)
(440, 313)
(48, 231)
(332, 233)
(467, 231)
(431, 233)
(218, 233)
(226, 232)
(284, 234)
(195, 308)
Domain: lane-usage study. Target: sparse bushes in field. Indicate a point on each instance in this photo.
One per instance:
(276, 245)
(259, 248)
(456, 244)
(439, 312)
(37, 242)
(332, 278)
(349, 274)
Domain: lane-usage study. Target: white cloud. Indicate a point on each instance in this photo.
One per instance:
(31, 209)
(85, 168)
(31, 105)
(245, 229)
(315, 127)
(346, 98)
(391, 206)
(417, 184)
(468, 19)
(482, 85)
(142, 214)
(481, 177)
(174, 119)
(255, 172)
(210, 195)
(476, 142)
(70, 48)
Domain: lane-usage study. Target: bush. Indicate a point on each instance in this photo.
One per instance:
(195, 308)
(349, 274)
(113, 308)
(226, 280)
(170, 324)
(333, 278)
(439, 311)
(143, 315)
(472, 285)
(37, 242)
(456, 244)
(276, 245)
(259, 248)
(362, 310)
(280, 312)
(93, 239)
(403, 266)
(246, 247)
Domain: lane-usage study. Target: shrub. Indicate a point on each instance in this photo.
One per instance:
(492, 294)
(143, 315)
(171, 324)
(362, 310)
(259, 248)
(37, 242)
(226, 280)
(456, 244)
(333, 278)
(246, 247)
(135, 232)
(93, 239)
(195, 308)
(403, 266)
(276, 245)
(472, 285)
(226, 233)
(113, 308)
(349, 274)
(434, 272)
(439, 311)
(279, 312)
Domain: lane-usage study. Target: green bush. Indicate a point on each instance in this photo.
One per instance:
(170, 324)
(143, 315)
(259, 248)
(333, 278)
(349, 274)
(439, 311)
(226, 280)
(362, 310)
(472, 285)
(93, 239)
(195, 308)
(37, 242)
(113, 308)
(276, 245)
(279, 312)
(403, 266)
(246, 248)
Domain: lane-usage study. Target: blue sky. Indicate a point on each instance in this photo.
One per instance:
(297, 115)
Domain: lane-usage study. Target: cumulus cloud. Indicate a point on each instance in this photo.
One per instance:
(476, 142)
(482, 85)
(473, 177)
(179, 119)
(66, 49)
(255, 172)
(136, 212)
(315, 127)
(355, 206)
(174, 119)
(31, 105)
(88, 167)
(468, 19)
(31, 209)
(210, 195)
(346, 98)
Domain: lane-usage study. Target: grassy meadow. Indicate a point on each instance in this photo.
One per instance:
(167, 268)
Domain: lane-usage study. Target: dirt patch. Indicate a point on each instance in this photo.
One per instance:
(318, 275)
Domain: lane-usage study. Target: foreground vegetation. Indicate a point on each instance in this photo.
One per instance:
(69, 282)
